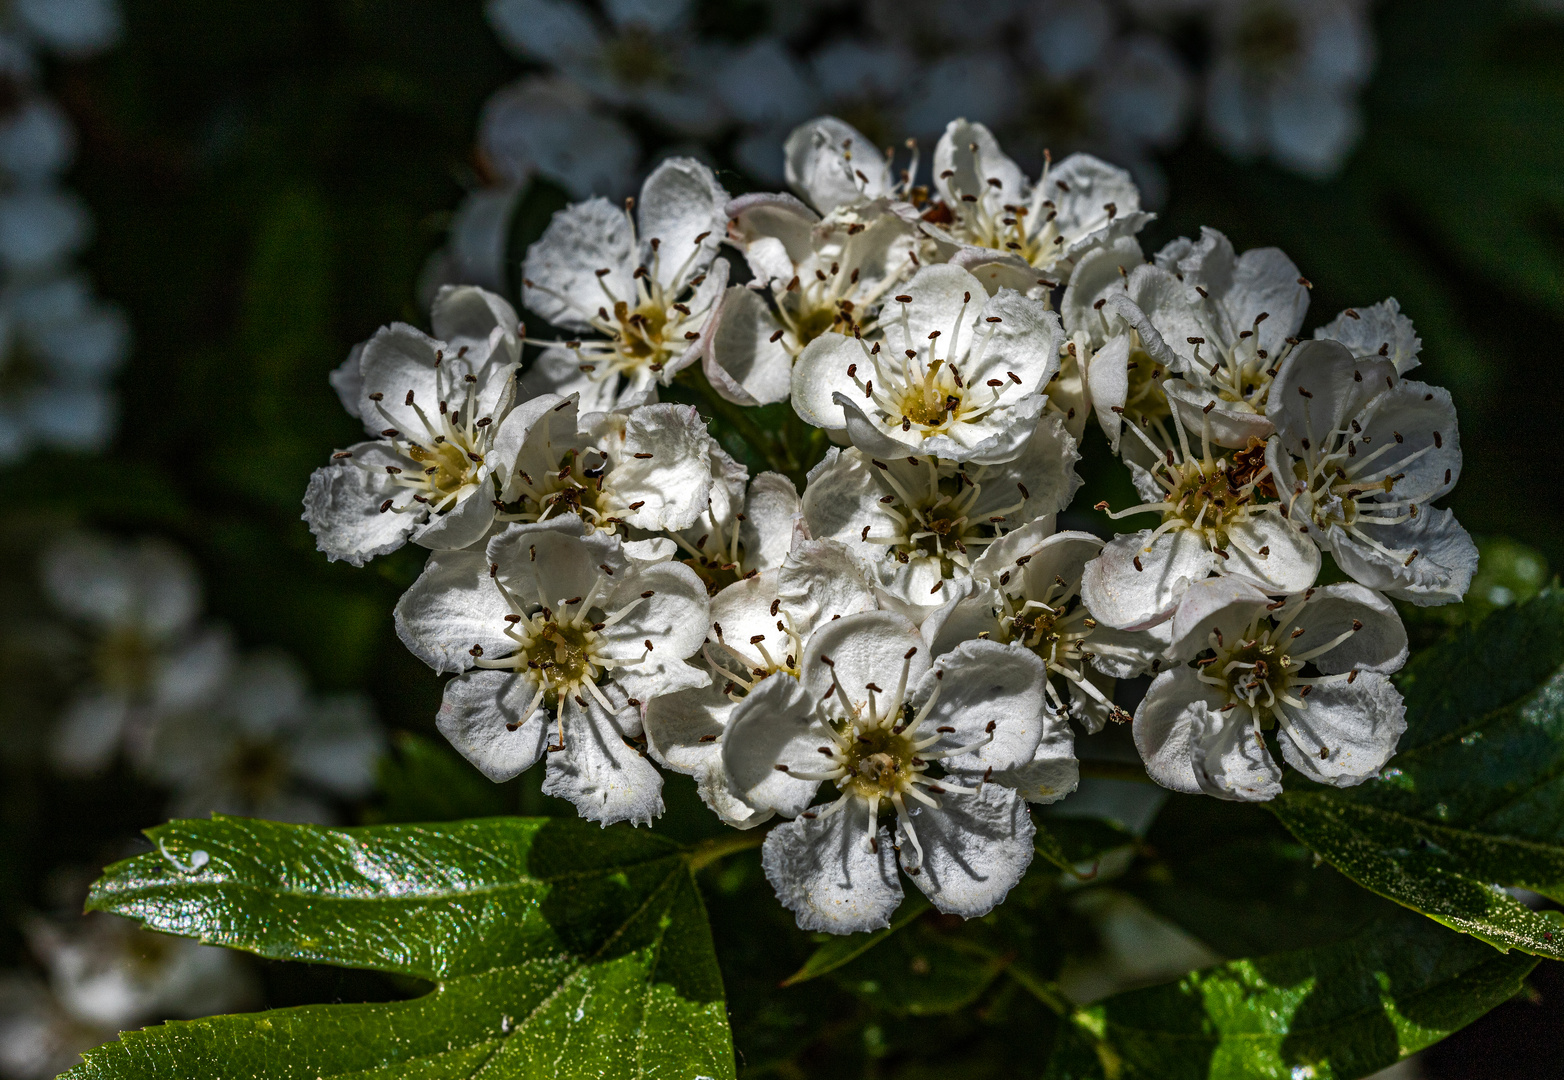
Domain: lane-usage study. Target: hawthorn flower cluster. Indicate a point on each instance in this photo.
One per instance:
(896, 658)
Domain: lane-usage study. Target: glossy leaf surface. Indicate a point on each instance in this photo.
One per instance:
(1474, 799)
(1342, 1011)
(556, 949)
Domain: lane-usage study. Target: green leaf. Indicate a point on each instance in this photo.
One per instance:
(1475, 797)
(1341, 1011)
(930, 968)
(555, 949)
(843, 949)
(1078, 846)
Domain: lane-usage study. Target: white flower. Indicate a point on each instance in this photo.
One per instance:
(988, 204)
(741, 532)
(1223, 323)
(920, 523)
(60, 346)
(41, 230)
(1031, 599)
(644, 56)
(758, 629)
(955, 374)
(1201, 728)
(1359, 456)
(831, 166)
(964, 837)
(812, 276)
(106, 976)
(1215, 520)
(649, 468)
(552, 623)
(1286, 78)
(648, 284)
(552, 128)
(267, 747)
(147, 658)
(72, 28)
(440, 407)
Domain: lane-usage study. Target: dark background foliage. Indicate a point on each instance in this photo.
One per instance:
(268, 180)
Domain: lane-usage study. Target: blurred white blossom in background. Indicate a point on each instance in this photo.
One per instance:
(102, 976)
(221, 731)
(59, 344)
(1121, 79)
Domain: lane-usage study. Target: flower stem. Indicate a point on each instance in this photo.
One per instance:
(720, 847)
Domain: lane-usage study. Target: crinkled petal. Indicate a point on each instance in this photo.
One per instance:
(1380, 330)
(668, 488)
(1126, 598)
(683, 208)
(1346, 731)
(607, 778)
(452, 607)
(560, 272)
(770, 733)
(825, 873)
(484, 716)
(1230, 759)
(975, 849)
(870, 647)
(1318, 389)
(1423, 417)
(342, 506)
(991, 698)
(1229, 423)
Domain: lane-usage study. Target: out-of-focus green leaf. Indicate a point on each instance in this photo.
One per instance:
(1342, 1011)
(930, 968)
(556, 949)
(1475, 797)
(427, 781)
(842, 949)
(1077, 845)
(1232, 876)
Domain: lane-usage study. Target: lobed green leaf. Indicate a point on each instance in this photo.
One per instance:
(555, 949)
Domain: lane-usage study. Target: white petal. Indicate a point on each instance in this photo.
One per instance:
(1441, 572)
(1083, 187)
(1380, 330)
(1098, 274)
(88, 734)
(825, 874)
(1357, 724)
(342, 505)
(1229, 423)
(681, 200)
(1120, 596)
(672, 484)
(772, 730)
(987, 691)
(1225, 604)
(1231, 760)
(1260, 281)
(775, 232)
(1381, 644)
(1053, 771)
(348, 381)
(1291, 562)
(1124, 654)
(1166, 726)
(1317, 389)
(821, 580)
(819, 170)
(607, 779)
(674, 619)
(562, 265)
(450, 608)
(465, 523)
(398, 359)
(975, 849)
(971, 155)
(475, 712)
(746, 363)
(870, 647)
(772, 510)
(1424, 417)
(465, 315)
(819, 373)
